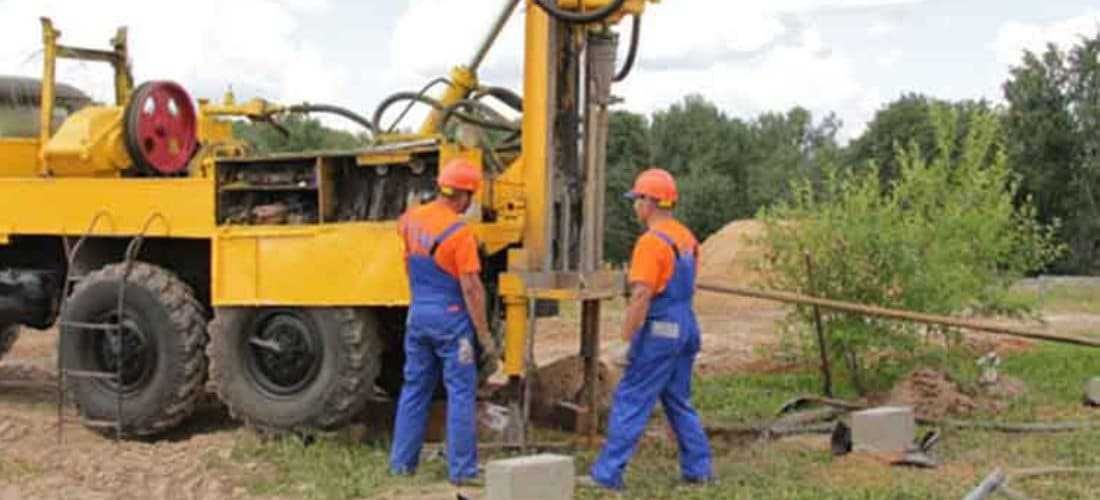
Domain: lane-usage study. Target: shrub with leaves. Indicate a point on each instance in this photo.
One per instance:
(945, 237)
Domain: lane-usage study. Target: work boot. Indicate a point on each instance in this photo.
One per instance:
(700, 482)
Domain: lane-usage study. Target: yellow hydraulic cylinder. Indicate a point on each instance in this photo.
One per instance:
(515, 334)
(463, 81)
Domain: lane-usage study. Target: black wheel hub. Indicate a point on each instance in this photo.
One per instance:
(129, 347)
(284, 353)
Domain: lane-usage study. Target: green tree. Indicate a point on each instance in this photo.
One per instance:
(727, 168)
(947, 237)
(1053, 125)
(627, 154)
(304, 133)
(905, 120)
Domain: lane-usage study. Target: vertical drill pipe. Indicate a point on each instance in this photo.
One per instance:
(826, 373)
(590, 352)
(598, 75)
(494, 33)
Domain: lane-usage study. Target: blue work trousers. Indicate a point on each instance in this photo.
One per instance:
(667, 377)
(426, 352)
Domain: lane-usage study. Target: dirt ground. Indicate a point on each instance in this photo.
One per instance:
(194, 461)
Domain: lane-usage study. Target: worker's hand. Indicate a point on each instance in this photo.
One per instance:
(622, 358)
(490, 360)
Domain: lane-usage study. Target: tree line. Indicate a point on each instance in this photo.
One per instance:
(1048, 129)
(728, 167)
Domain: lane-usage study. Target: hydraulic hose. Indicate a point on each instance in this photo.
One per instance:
(423, 91)
(496, 121)
(412, 96)
(336, 110)
(579, 17)
(504, 95)
(632, 54)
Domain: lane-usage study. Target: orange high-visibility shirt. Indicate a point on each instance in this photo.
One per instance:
(653, 260)
(457, 255)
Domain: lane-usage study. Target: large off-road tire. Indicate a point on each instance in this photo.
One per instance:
(294, 369)
(163, 362)
(8, 336)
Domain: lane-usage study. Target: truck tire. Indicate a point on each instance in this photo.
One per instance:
(294, 369)
(8, 336)
(163, 362)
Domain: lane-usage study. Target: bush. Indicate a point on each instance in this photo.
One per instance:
(944, 238)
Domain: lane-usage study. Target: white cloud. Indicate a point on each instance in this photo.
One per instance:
(206, 45)
(1014, 37)
(748, 57)
(889, 59)
(880, 28)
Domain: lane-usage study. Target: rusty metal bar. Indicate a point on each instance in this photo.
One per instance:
(590, 353)
(826, 372)
(897, 314)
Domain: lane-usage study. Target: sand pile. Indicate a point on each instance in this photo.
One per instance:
(731, 257)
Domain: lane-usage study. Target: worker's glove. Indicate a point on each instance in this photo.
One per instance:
(490, 360)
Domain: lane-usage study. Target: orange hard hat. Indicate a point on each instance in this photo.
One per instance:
(460, 174)
(655, 183)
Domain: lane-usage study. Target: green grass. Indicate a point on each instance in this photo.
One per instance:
(1062, 297)
(799, 468)
(325, 469)
(795, 468)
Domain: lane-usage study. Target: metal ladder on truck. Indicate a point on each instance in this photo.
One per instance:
(114, 329)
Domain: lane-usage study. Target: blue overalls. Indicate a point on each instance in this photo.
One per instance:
(660, 359)
(438, 331)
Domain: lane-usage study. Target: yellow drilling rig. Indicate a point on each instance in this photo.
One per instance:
(167, 253)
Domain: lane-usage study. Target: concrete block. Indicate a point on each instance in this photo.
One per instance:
(535, 477)
(883, 429)
(1092, 392)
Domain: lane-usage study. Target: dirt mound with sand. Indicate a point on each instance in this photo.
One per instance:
(732, 257)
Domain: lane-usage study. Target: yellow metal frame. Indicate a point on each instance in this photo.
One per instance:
(353, 264)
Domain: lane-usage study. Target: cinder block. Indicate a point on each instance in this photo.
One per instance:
(1092, 392)
(535, 477)
(883, 429)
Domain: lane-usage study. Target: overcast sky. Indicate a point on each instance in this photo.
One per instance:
(845, 56)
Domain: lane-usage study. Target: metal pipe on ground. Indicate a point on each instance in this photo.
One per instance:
(897, 314)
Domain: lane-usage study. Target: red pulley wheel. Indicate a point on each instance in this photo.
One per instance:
(161, 128)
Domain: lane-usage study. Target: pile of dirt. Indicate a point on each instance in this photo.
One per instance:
(731, 254)
(563, 380)
(934, 394)
(732, 257)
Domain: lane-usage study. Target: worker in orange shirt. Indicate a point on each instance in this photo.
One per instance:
(663, 333)
(447, 310)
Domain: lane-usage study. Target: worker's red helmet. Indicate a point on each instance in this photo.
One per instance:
(657, 184)
(460, 174)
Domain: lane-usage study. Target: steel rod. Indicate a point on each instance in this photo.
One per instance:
(897, 314)
(826, 372)
(494, 32)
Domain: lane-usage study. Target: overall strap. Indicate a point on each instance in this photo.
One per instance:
(676, 250)
(668, 240)
(444, 235)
